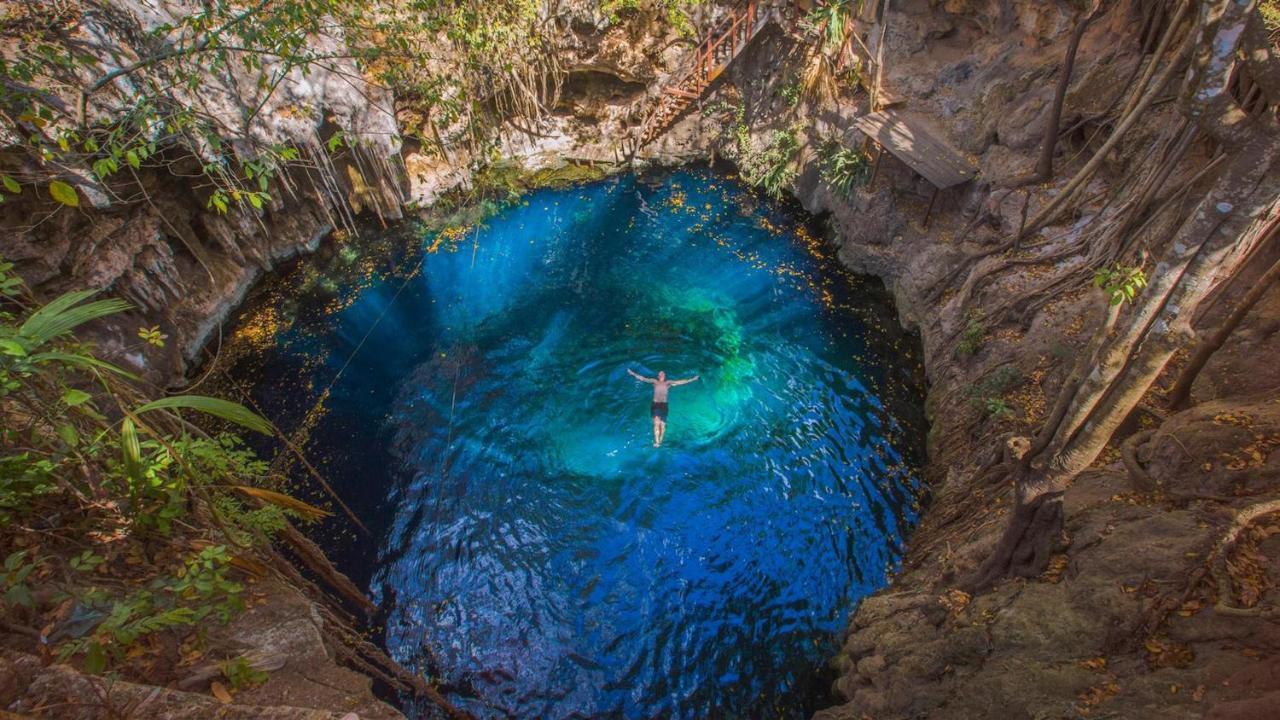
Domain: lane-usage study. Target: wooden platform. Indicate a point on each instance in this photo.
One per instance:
(908, 140)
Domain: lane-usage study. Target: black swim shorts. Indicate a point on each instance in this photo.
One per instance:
(660, 410)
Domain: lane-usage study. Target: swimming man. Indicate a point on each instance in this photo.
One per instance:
(660, 387)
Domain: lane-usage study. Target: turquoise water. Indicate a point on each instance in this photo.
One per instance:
(530, 547)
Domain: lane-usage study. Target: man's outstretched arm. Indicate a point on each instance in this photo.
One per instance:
(640, 377)
(685, 381)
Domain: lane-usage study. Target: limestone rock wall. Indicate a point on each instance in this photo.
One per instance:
(181, 264)
(1122, 625)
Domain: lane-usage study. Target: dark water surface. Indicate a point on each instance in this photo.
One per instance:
(531, 547)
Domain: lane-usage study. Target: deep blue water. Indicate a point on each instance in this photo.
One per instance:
(530, 547)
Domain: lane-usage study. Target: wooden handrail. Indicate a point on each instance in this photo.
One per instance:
(694, 75)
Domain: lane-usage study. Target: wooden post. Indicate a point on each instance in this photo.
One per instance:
(875, 167)
(929, 212)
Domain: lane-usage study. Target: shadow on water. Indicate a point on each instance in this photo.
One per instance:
(530, 546)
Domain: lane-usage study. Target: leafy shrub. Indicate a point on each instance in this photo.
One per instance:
(843, 168)
(987, 396)
(997, 408)
(115, 482)
(973, 335)
(791, 92)
(242, 674)
(1120, 283)
(772, 169)
(831, 20)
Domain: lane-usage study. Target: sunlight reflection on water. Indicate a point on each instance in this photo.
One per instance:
(536, 552)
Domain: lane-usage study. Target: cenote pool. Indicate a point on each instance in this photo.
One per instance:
(465, 390)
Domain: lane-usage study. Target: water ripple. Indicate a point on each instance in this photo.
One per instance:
(538, 554)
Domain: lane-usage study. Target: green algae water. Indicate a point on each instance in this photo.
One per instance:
(531, 549)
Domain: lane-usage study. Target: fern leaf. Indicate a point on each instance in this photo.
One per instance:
(65, 313)
(305, 510)
(225, 409)
(82, 360)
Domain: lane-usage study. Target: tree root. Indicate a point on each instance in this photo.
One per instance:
(317, 562)
(1028, 543)
(1218, 562)
(1142, 480)
(371, 660)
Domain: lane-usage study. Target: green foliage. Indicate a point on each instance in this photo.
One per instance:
(1120, 283)
(973, 335)
(225, 409)
(83, 455)
(9, 283)
(246, 523)
(157, 125)
(1270, 11)
(772, 169)
(64, 193)
(831, 20)
(14, 581)
(997, 408)
(675, 12)
(843, 169)
(987, 396)
(242, 674)
(152, 335)
(62, 315)
(199, 591)
(791, 92)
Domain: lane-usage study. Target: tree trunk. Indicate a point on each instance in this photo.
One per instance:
(1033, 534)
(1044, 166)
(1180, 396)
(1225, 226)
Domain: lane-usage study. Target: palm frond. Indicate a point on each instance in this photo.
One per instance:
(82, 360)
(65, 313)
(225, 409)
(305, 510)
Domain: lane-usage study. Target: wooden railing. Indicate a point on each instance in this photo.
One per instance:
(718, 48)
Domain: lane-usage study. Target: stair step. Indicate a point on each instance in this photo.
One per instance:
(718, 51)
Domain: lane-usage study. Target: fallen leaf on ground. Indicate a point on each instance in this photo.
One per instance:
(220, 692)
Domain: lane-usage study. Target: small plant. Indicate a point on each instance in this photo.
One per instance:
(242, 674)
(997, 408)
(1120, 283)
(771, 169)
(791, 92)
(843, 168)
(129, 483)
(152, 335)
(831, 20)
(971, 339)
(987, 396)
(716, 107)
(14, 581)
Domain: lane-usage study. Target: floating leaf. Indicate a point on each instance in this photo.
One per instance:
(64, 193)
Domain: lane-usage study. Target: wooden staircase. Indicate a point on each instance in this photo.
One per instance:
(712, 56)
